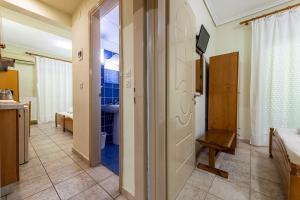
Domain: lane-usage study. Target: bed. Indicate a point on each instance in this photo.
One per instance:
(285, 150)
(65, 120)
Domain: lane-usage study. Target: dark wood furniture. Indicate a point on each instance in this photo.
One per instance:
(290, 172)
(199, 75)
(64, 121)
(9, 147)
(10, 80)
(216, 141)
(222, 109)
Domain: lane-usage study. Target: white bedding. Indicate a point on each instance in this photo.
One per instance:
(291, 140)
(66, 114)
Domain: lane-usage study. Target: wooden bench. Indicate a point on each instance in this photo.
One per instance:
(216, 141)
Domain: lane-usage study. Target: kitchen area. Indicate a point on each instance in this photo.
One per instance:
(14, 132)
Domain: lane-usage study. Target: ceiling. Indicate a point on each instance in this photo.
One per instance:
(109, 30)
(66, 6)
(32, 39)
(224, 11)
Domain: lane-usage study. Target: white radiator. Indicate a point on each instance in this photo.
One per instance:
(34, 106)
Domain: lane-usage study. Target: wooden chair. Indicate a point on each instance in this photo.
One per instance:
(217, 141)
(222, 110)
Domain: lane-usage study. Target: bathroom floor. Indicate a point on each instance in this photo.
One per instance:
(110, 157)
(55, 172)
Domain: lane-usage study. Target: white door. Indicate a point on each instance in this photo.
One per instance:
(180, 103)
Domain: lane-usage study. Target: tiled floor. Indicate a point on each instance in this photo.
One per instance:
(252, 176)
(110, 157)
(54, 172)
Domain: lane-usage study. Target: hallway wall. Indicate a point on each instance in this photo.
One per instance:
(203, 17)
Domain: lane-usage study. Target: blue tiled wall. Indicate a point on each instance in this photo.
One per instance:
(109, 95)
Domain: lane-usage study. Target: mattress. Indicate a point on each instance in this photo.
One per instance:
(291, 141)
(66, 114)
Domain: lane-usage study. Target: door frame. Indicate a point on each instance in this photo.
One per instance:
(140, 94)
(95, 123)
(157, 21)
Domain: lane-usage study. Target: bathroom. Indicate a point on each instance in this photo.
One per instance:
(109, 56)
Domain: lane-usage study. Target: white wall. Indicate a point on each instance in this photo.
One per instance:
(39, 10)
(128, 97)
(81, 77)
(234, 37)
(203, 17)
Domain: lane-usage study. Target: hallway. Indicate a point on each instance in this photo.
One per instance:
(55, 172)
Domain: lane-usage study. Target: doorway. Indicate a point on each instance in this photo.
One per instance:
(105, 88)
(109, 88)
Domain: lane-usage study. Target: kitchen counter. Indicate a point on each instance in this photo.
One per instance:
(10, 105)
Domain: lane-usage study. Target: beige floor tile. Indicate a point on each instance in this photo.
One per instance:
(48, 150)
(48, 194)
(240, 156)
(59, 164)
(121, 197)
(32, 172)
(83, 164)
(31, 153)
(34, 133)
(29, 188)
(52, 131)
(239, 172)
(228, 191)
(64, 173)
(52, 157)
(94, 193)
(201, 179)
(268, 188)
(39, 147)
(212, 197)
(268, 173)
(243, 145)
(75, 156)
(260, 196)
(111, 185)
(46, 125)
(190, 192)
(74, 186)
(263, 162)
(260, 151)
(99, 173)
(31, 163)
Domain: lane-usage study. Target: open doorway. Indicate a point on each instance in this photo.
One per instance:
(110, 102)
(105, 106)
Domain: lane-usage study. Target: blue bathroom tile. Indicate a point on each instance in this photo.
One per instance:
(107, 85)
(108, 92)
(110, 157)
(115, 92)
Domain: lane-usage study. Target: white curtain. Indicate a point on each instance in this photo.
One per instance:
(54, 88)
(275, 74)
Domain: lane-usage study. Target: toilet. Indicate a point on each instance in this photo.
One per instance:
(103, 139)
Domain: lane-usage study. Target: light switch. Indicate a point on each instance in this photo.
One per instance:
(81, 86)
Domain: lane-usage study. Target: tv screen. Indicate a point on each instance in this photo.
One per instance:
(203, 39)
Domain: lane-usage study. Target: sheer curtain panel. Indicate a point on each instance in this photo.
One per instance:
(54, 88)
(275, 74)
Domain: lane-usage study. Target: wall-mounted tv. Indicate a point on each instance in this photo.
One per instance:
(202, 40)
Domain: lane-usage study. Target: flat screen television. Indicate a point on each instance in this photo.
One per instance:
(202, 40)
